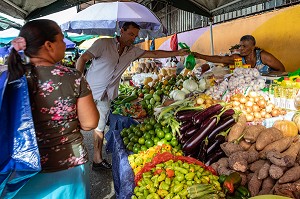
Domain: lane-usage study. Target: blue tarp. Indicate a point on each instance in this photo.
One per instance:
(123, 175)
(4, 51)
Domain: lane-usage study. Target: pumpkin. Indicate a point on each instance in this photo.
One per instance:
(296, 119)
(288, 128)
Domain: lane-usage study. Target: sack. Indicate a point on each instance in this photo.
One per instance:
(19, 157)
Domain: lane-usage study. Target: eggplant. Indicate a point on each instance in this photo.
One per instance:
(227, 113)
(185, 115)
(202, 155)
(202, 133)
(223, 125)
(212, 110)
(182, 139)
(191, 131)
(215, 157)
(184, 126)
(215, 144)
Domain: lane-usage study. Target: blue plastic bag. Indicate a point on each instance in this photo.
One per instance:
(19, 157)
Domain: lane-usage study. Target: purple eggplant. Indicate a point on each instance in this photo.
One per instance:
(213, 146)
(197, 138)
(210, 111)
(185, 115)
(184, 126)
(191, 131)
(227, 113)
(215, 157)
(223, 125)
(202, 155)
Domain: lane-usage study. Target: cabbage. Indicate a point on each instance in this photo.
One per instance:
(178, 95)
(190, 85)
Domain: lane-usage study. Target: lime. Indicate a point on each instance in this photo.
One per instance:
(147, 135)
(143, 148)
(151, 132)
(148, 127)
(135, 149)
(174, 142)
(130, 146)
(157, 126)
(146, 121)
(126, 140)
(160, 134)
(124, 133)
(142, 127)
(134, 139)
(166, 129)
(155, 140)
(152, 101)
(131, 135)
(139, 133)
(168, 136)
(149, 143)
(141, 140)
(152, 121)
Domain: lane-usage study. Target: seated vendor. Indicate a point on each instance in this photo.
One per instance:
(257, 58)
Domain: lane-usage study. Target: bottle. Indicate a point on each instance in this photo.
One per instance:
(297, 94)
(271, 91)
(238, 62)
(286, 86)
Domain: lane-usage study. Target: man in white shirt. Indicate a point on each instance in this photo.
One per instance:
(110, 58)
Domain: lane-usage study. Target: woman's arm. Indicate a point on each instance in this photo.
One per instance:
(216, 58)
(164, 53)
(271, 61)
(87, 112)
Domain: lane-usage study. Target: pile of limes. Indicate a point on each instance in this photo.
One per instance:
(142, 136)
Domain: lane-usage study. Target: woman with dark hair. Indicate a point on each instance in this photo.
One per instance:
(250, 54)
(62, 104)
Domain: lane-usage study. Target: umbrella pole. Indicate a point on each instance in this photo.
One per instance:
(211, 36)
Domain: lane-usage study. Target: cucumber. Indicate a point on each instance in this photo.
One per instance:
(129, 99)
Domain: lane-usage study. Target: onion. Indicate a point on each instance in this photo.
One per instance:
(251, 99)
(269, 108)
(249, 118)
(236, 103)
(282, 112)
(257, 115)
(243, 100)
(252, 94)
(262, 103)
(256, 108)
(248, 110)
(235, 98)
(242, 106)
(208, 101)
(275, 112)
(268, 115)
(263, 113)
(256, 99)
(249, 104)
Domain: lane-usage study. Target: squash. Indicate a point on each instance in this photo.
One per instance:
(296, 119)
(288, 128)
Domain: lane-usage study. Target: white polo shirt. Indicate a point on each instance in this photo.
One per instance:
(107, 67)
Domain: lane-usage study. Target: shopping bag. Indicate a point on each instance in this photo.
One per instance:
(190, 61)
(19, 157)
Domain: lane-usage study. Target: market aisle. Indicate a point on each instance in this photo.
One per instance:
(101, 181)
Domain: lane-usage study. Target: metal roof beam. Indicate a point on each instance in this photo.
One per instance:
(16, 6)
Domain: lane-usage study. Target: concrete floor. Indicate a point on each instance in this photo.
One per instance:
(101, 182)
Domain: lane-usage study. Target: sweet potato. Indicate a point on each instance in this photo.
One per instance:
(236, 130)
(264, 171)
(230, 148)
(279, 146)
(291, 175)
(255, 166)
(276, 171)
(267, 186)
(292, 151)
(267, 136)
(254, 185)
(251, 133)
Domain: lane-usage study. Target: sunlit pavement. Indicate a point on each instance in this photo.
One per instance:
(101, 182)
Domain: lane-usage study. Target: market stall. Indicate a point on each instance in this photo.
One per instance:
(200, 132)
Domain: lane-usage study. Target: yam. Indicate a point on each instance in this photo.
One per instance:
(244, 178)
(254, 185)
(267, 186)
(245, 145)
(251, 133)
(264, 171)
(257, 165)
(249, 176)
(291, 175)
(223, 167)
(236, 130)
(292, 151)
(267, 136)
(279, 146)
(280, 160)
(276, 171)
(230, 148)
(291, 190)
(239, 161)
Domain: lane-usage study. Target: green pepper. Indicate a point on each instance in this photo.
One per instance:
(243, 191)
(178, 187)
(232, 181)
(182, 170)
(189, 176)
(169, 196)
(183, 192)
(147, 175)
(133, 197)
(222, 178)
(146, 192)
(186, 165)
(162, 177)
(152, 190)
(176, 197)
(164, 186)
(168, 181)
(179, 177)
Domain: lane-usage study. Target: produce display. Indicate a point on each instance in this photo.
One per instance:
(197, 140)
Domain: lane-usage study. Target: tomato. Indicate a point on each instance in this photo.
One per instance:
(139, 133)
(149, 143)
(143, 127)
(146, 121)
(155, 140)
(141, 140)
(130, 146)
(124, 133)
(152, 121)
(151, 132)
(148, 127)
(134, 139)
(160, 133)
(168, 136)
(143, 148)
(166, 129)
(157, 126)
(135, 149)
(174, 142)
(131, 135)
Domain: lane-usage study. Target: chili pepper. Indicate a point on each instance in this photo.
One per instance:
(244, 191)
(222, 178)
(232, 181)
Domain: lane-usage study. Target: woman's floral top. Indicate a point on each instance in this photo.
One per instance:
(56, 123)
